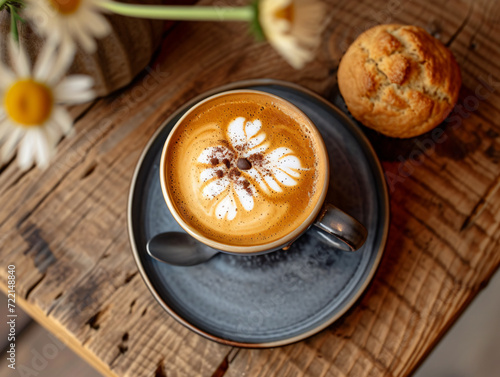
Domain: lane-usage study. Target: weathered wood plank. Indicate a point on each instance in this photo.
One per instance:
(65, 227)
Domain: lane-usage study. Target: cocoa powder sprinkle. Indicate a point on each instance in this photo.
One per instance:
(257, 158)
(234, 173)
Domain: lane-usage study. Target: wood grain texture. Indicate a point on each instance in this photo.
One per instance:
(65, 228)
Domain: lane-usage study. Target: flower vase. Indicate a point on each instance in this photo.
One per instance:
(120, 56)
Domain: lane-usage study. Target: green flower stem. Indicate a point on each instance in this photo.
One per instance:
(15, 3)
(179, 13)
(14, 17)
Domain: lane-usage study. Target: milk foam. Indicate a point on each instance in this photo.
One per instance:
(272, 171)
(245, 169)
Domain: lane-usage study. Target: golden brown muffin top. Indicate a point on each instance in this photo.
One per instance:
(399, 80)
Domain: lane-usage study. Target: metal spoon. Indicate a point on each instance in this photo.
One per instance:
(179, 249)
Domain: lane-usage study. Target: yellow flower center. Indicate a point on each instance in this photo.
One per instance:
(286, 13)
(65, 6)
(28, 102)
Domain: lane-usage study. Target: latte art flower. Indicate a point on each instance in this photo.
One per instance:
(231, 169)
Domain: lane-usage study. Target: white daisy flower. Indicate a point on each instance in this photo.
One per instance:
(229, 170)
(69, 22)
(31, 116)
(292, 27)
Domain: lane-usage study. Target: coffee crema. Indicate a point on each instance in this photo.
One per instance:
(243, 169)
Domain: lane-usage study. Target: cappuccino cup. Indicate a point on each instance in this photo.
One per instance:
(247, 172)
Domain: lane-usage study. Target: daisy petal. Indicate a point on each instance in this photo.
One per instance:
(294, 37)
(4, 124)
(67, 50)
(85, 40)
(100, 26)
(19, 59)
(76, 82)
(74, 89)
(63, 120)
(4, 131)
(73, 98)
(7, 77)
(9, 148)
(45, 61)
(43, 151)
(296, 55)
(26, 156)
(53, 134)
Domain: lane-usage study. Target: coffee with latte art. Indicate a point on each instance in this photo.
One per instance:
(243, 169)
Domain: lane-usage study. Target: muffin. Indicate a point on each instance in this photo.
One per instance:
(399, 80)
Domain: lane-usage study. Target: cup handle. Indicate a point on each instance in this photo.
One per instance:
(338, 229)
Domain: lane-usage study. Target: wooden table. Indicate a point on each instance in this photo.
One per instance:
(65, 228)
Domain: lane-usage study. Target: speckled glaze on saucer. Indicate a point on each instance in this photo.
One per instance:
(278, 298)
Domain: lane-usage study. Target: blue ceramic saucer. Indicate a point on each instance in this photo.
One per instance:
(279, 298)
